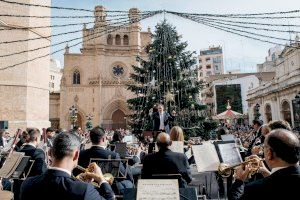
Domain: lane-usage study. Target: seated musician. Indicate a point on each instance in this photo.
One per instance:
(166, 162)
(282, 154)
(36, 154)
(57, 183)
(98, 150)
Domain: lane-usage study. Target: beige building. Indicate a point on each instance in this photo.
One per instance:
(24, 89)
(275, 99)
(210, 62)
(94, 80)
(270, 61)
(55, 76)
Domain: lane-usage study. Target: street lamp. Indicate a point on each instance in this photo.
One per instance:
(73, 115)
(89, 124)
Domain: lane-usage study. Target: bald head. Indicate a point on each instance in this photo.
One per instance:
(284, 145)
(163, 140)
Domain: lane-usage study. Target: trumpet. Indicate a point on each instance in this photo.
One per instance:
(225, 170)
(107, 176)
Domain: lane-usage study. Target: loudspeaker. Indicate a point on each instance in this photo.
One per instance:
(3, 124)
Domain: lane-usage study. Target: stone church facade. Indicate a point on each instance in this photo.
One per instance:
(94, 80)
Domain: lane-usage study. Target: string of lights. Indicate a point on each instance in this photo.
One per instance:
(54, 7)
(250, 27)
(240, 22)
(54, 35)
(48, 46)
(248, 32)
(95, 36)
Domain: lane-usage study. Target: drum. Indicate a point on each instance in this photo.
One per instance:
(6, 195)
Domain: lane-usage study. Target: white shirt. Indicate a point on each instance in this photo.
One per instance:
(275, 169)
(161, 124)
(4, 141)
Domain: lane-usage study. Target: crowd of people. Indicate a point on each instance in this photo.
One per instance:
(64, 167)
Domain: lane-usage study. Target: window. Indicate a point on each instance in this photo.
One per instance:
(217, 59)
(207, 59)
(200, 60)
(200, 66)
(208, 66)
(216, 67)
(126, 40)
(118, 40)
(52, 85)
(201, 74)
(76, 77)
(208, 73)
(109, 39)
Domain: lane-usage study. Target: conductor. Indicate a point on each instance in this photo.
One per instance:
(161, 120)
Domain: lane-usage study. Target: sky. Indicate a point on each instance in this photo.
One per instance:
(239, 53)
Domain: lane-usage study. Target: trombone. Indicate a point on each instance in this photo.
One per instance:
(225, 170)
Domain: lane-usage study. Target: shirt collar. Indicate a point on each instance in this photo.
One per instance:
(275, 169)
(61, 169)
(103, 147)
(31, 144)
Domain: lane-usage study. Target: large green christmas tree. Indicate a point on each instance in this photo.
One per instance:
(168, 77)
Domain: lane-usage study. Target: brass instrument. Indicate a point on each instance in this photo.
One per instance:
(107, 176)
(225, 170)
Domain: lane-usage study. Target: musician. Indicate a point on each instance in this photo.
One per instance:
(50, 132)
(265, 129)
(98, 150)
(166, 161)
(279, 124)
(57, 183)
(161, 120)
(36, 154)
(257, 134)
(23, 139)
(281, 150)
(2, 138)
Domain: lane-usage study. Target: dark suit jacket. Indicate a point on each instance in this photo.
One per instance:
(282, 184)
(55, 185)
(156, 121)
(99, 152)
(38, 155)
(166, 161)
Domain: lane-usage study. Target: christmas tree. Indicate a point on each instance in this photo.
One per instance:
(168, 77)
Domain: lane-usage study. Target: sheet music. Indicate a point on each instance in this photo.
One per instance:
(188, 153)
(11, 163)
(158, 189)
(177, 146)
(228, 137)
(206, 157)
(230, 153)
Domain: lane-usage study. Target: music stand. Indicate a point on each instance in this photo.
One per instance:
(121, 149)
(112, 166)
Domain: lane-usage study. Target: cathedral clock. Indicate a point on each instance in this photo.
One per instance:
(118, 70)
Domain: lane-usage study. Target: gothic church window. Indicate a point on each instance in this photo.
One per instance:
(76, 77)
(126, 40)
(118, 40)
(109, 39)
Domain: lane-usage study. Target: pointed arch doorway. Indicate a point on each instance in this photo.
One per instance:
(118, 119)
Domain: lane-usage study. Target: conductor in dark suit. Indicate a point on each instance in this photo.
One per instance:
(281, 150)
(57, 183)
(36, 154)
(161, 119)
(166, 161)
(98, 150)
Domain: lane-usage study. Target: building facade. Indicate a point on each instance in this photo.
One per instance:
(247, 81)
(94, 80)
(55, 76)
(24, 88)
(210, 62)
(275, 100)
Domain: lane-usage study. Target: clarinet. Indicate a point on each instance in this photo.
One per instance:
(45, 147)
